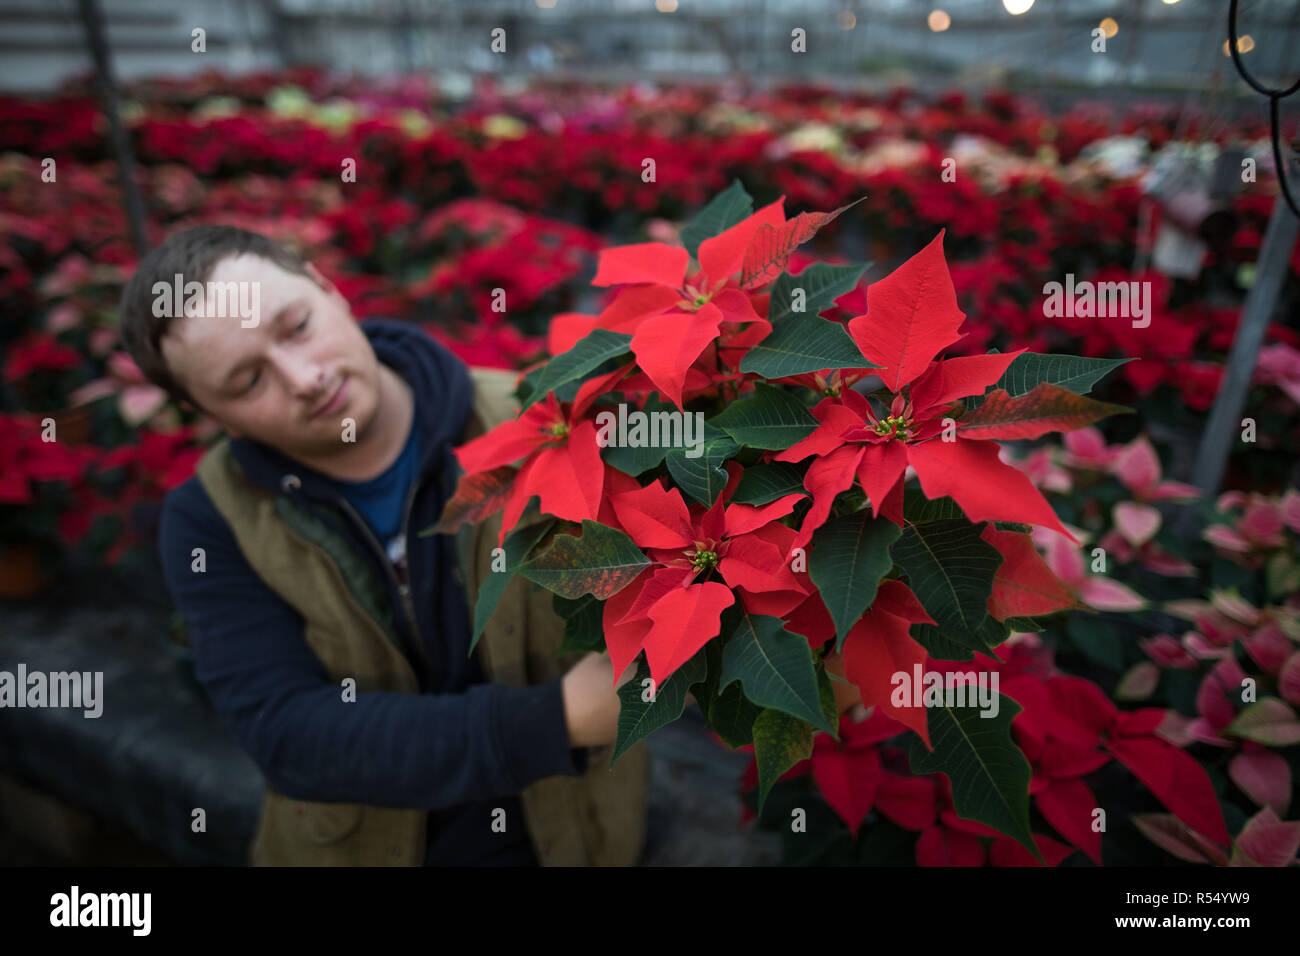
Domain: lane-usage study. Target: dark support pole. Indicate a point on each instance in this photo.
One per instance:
(1224, 425)
(93, 20)
(406, 35)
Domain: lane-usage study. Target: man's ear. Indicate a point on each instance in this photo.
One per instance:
(190, 406)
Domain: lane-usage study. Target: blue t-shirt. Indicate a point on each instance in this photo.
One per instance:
(382, 498)
(452, 840)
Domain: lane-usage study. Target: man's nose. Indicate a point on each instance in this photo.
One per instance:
(305, 377)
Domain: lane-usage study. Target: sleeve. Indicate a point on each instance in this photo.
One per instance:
(425, 751)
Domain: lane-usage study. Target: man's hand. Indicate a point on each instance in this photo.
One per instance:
(591, 701)
(847, 695)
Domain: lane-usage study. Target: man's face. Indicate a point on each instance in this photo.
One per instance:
(290, 380)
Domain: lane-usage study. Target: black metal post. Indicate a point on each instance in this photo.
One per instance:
(1225, 418)
(93, 19)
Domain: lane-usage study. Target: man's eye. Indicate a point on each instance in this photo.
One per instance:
(303, 324)
(248, 387)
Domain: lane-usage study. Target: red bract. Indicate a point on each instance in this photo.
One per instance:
(911, 315)
(561, 461)
(674, 545)
(848, 771)
(26, 458)
(880, 646)
(1068, 727)
(673, 319)
(668, 613)
(38, 353)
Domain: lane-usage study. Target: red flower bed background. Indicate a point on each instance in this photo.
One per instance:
(461, 205)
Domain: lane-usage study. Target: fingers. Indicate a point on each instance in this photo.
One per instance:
(626, 676)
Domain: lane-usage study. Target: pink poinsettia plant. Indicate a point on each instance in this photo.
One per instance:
(785, 547)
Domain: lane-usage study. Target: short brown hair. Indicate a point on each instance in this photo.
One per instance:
(192, 253)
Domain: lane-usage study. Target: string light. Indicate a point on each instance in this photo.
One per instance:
(938, 21)
(1017, 7)
(1244, 45)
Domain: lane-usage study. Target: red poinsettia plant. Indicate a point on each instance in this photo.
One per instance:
(724, 501)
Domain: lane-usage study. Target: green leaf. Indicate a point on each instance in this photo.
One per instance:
(583, 624)
(703, 477)
(589, 353)
(638, 718)
(527, 387)
(827, 693)
(1023, 625)
(1097, 640)
(941, 647)
(956, 644)
(918, 509)
(725, 210)
(707, 689)
(821, 283)
(763, 484)
(732, 716)
(526, 391)
(770, 418)
(1013, 526)
(950, 568)
(774, 667)
(780, 742)
(601, 562)
(850, 555)
(518, 543)
(991, 633)
(635, 461)
(1074, 372)
(804, 343)
(1047, 408)
(988, 772)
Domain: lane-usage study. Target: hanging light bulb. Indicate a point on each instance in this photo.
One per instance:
(1017, 7)
(1245, 43)
(938, 20)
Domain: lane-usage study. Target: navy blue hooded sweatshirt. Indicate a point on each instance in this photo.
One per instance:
(460, 747)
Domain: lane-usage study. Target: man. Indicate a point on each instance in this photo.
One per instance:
(333, 638)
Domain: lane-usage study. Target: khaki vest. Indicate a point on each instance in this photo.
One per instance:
(598, 818)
